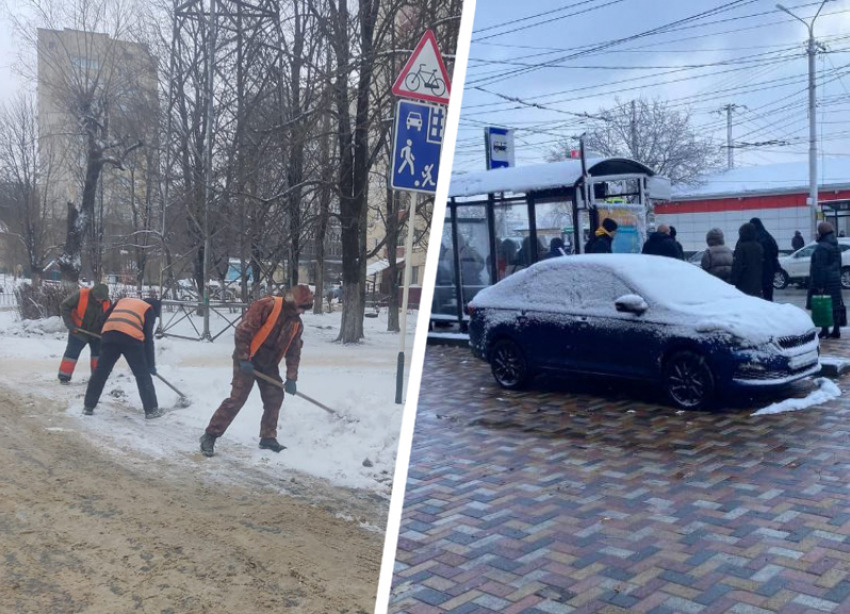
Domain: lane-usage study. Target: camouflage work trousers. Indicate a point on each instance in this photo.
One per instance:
(240, 389)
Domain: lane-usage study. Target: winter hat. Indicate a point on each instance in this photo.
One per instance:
(824, 228)
(673, 231)
(757, 223)
(714, 237)
(609, 224)
(100, 292)
(556, 243)
(301, 296)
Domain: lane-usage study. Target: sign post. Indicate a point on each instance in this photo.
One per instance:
(417, 145)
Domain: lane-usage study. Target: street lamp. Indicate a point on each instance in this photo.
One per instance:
(813, 145)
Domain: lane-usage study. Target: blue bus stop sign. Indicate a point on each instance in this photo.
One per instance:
(417, 142)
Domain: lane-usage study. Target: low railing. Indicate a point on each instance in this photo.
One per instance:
(181, 311)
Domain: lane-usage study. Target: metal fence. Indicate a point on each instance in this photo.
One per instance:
(182, 311)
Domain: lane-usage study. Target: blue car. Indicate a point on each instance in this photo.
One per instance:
(640, 317)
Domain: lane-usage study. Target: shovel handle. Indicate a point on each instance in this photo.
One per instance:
(85, 332)
(167, 383)
(279, 384)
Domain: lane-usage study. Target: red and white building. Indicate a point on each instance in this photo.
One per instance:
(776, 193)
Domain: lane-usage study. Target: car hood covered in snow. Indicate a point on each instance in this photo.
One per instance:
(677, 292)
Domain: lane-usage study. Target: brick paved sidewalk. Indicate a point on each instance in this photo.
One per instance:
(580, 499)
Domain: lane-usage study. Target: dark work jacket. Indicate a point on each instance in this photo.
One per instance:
(825, 271)
(119, 338)
(661, 244)
(747, 267)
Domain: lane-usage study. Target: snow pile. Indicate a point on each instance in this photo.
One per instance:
(36, 328)
(826, 391)
(521, 178)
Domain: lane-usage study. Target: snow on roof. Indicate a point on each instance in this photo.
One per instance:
(536, 176)
(768, 178)
(380, 265)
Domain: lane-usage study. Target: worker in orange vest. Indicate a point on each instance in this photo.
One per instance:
(270, 331)
(85, 310)
(128, 332)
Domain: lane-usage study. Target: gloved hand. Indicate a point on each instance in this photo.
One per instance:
(152, 370)
(290, 386)
(246, 367)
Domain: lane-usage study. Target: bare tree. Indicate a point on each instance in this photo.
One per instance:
(25, 167)
(654, 133)
(80, 52)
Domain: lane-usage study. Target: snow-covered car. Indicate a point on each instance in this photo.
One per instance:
(639, 317)
(794, 268)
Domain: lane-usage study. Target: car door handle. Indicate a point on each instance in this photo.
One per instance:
(583, 320)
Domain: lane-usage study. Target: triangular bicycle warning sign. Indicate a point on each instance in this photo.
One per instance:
(424, 77)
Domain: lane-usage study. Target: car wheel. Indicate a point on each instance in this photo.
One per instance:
(688, 380)
(845, 277)
(510, 369)
(780, 280)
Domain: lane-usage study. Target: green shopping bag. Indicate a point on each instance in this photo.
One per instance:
(822, 310)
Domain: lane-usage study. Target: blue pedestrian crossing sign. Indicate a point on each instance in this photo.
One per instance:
(417, 143)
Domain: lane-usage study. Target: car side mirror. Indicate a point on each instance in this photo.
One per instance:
(631, 303)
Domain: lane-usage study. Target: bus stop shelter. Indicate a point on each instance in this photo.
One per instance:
(504, 220)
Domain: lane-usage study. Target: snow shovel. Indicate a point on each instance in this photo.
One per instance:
(279, 384)
(183, 401)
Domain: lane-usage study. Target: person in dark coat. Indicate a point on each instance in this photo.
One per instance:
(603, 238)
(770, 264)
(825, 276)
(798, 242)
(660, 243)
(718, 258)
(678, 245)
(555, 247)
(747, 262)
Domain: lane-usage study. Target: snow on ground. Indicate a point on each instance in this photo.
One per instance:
(358, 381)
(825, 390)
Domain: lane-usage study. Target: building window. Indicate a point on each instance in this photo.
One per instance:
(414, 276)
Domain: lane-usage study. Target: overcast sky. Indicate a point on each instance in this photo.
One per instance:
(10, 82)
(768, 73)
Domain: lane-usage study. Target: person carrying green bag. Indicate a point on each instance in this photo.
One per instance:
(825, 299)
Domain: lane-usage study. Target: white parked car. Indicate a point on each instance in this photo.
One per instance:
(794, 268)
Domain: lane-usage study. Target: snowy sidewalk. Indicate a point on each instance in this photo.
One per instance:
(357, 380)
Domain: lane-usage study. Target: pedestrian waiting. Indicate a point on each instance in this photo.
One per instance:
(747, 261)
(770, 255)
(661, 243)
(798, 242)
(718, 258)
(825, 278)
(678, 245)
(603, 239)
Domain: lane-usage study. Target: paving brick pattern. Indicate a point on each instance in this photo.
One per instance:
(574, 498)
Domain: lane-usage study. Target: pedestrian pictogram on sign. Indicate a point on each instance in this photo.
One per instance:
(417, 144)
(424, 77)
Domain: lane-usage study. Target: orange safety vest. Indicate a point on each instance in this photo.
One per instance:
(128, 317)
(80, 312)
(263, 334)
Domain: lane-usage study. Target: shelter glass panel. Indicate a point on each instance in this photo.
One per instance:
(554, 224)
(473, 242)
(512, 235)
(445, 296)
